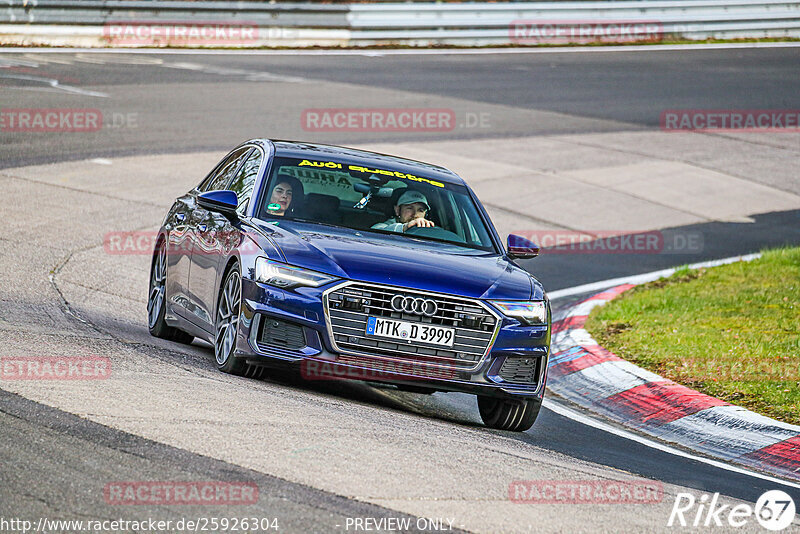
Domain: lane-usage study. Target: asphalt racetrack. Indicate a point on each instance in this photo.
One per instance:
(555, 144)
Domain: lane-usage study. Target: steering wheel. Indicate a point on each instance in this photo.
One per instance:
(434, 232)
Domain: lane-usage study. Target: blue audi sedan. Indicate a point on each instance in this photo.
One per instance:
(346, 264)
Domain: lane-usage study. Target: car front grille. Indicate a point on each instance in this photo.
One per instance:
(520, 370)
(349, 306)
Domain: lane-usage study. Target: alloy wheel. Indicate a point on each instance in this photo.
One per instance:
(158, 278)
(228, 317)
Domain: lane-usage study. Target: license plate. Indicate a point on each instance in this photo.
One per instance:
(411, 332)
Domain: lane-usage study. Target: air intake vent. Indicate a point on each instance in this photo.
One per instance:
(520, 370)
(277, 333)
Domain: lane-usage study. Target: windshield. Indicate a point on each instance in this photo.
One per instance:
(368, 198)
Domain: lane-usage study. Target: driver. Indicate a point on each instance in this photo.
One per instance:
(410, 211)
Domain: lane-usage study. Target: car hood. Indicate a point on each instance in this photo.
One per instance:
(400, 261)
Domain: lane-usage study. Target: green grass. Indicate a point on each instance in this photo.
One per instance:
(731, 331)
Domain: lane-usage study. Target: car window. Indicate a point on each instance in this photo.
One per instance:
(362, 197)
(219, 179)
(242, 184)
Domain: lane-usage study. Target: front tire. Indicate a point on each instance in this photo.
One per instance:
(229, 309)
(157, 300)
(515, 415)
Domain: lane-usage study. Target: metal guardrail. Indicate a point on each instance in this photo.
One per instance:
(100, 12)
(81, 23)
(491, 23)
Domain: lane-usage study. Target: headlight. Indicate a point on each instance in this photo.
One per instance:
(533, 312)
(287, 276)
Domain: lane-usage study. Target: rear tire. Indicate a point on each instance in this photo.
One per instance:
(157, 300)
(515, 415)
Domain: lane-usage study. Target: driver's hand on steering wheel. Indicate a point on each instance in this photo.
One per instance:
(420, 223)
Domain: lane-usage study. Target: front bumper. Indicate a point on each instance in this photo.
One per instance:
(290, 328)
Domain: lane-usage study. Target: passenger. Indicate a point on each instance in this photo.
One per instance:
(410, 211)
(282, 195)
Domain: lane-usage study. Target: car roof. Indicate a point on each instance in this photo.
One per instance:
(299, 149)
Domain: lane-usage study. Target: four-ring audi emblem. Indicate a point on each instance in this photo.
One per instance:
(414, 305)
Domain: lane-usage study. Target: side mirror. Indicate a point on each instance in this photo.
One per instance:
(224, 202)
(521, 248)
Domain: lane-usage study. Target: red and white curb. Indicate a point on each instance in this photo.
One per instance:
(585, 373)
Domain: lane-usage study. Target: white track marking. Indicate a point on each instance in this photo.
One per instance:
(405, 52)
(52, 82)
(7, 63)
(643, 278)
(59, 60)
(93, 59)
(249, 75)
(561, 409)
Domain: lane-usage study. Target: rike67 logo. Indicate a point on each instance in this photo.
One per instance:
(774, 510)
